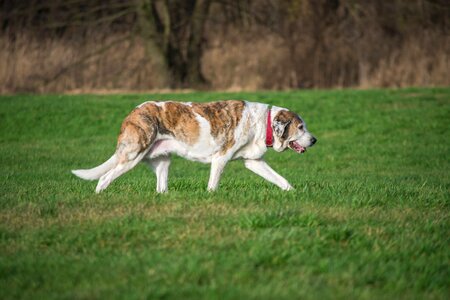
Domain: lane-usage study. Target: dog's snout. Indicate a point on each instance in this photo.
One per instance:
(313, 140)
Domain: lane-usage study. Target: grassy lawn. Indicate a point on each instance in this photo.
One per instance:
(369, 217)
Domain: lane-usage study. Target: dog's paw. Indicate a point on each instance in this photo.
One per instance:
(288, 188)
(101, 186)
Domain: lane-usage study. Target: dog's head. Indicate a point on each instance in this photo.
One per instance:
(289, 130)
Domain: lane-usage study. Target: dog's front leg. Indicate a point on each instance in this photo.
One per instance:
(217, 166)
(261, 168)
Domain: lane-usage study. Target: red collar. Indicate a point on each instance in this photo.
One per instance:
(269, 132)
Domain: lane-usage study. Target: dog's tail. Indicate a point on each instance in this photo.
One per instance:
(97, 172)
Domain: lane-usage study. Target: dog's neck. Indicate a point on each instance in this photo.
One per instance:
(269, 131)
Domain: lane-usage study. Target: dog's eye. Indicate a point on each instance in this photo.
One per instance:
(300, 126)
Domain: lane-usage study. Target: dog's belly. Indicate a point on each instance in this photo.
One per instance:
(196, 152)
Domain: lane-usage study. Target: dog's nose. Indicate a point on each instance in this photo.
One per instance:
(313, 141)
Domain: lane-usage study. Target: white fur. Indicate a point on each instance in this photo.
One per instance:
(116, 171)
(161, 167)
(97, 172)
(249, 135)
(261, 168)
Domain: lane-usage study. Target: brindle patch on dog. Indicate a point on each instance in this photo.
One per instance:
(137, 129)
(142, 124)
(285, 116)
(180, 121)
(223, 117)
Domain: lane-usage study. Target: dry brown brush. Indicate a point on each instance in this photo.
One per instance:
(245, 45)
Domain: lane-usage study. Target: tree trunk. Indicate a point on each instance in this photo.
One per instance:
(153, 41)
(195, 46)
(177, 65)
(173, 37)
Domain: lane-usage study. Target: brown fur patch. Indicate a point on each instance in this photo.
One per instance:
(285, 116)
(178, 120)
(137, 132)
(141, 126)
(224, 117)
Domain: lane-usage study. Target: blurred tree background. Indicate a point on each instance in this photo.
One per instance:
(88, 45)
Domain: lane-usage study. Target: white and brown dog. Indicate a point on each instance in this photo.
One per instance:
(215, 133)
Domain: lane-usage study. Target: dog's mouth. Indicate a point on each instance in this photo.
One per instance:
(296, 147)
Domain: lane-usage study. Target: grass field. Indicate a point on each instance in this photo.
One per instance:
(369, 217)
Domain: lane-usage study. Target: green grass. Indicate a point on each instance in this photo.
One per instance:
(369, 217)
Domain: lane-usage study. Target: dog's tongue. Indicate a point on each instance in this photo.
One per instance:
(296, 147)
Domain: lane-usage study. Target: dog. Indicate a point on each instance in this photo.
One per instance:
(214, 133)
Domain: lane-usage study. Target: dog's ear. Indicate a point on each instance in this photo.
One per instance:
(279, 127)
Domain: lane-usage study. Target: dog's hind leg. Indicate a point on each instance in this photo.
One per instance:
(160, 166)
(133, 144)
(122, 167)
